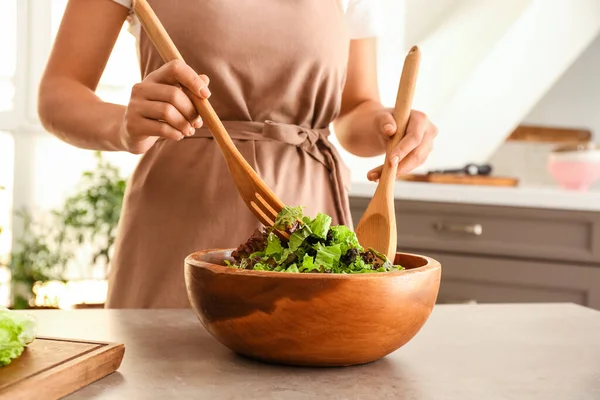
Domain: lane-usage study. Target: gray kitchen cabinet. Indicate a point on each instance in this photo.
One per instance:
(494, 254)
(503, 280)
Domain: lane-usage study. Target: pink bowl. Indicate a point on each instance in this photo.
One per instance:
(575, 175)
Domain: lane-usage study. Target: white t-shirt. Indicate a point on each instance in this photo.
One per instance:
(363, 16)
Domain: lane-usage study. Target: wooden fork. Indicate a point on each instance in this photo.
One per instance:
(255, 193)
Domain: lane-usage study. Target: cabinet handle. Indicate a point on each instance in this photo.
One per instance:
(455, 300)
(469, 229)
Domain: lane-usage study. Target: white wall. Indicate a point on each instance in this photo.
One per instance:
(573, 102)
(419, 20)
(456, 38)
(57, 177)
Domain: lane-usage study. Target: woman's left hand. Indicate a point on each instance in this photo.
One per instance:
(413, 149)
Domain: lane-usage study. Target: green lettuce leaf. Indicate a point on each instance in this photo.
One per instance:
(308, 264)
(328, 257)
(320, 225)
(285, 254)
(359, 265)
(256, 254)
(387, 264)
(261, 267)
(274, 247)
(287, 217)
(343, 236)
(297, 238)
(292, 268)
(17, 330)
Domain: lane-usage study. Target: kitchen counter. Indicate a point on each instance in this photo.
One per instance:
(527, 196)
(543, 351)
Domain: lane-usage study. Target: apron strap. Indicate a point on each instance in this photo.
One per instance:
(314, 142)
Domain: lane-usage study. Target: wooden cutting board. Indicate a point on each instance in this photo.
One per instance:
(461, 179)
(53, 368)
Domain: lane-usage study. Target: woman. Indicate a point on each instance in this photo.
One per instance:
(280, 72)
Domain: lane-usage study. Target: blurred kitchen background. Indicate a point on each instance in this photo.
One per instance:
(508, 82)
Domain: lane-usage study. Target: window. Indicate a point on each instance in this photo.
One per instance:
(27, 29)
(6, 170)
(8, 49)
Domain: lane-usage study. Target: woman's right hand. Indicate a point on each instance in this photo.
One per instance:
(158, 108)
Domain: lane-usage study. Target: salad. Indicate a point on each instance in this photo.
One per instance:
(314, 246)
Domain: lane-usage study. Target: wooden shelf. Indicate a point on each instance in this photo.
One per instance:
(547, 134)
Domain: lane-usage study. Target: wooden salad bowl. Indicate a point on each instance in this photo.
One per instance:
(311, 319)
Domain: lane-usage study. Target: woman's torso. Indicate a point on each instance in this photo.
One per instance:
(278, 60)
(284, 62)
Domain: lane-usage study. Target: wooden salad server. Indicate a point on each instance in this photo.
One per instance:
(377, 227)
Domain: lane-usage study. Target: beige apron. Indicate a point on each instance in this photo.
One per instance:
(277, 71)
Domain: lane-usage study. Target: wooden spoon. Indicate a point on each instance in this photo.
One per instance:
(256, 194)
(377, 227)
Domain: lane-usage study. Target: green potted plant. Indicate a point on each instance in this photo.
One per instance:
(40, 255)
(92, 214)
(50, 242)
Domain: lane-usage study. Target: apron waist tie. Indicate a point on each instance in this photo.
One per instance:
(312, 141)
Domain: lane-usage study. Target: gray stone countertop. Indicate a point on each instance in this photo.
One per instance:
(544, 197)
(537, 351)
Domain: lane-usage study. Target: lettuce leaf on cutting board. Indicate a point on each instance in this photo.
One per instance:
(17, 330)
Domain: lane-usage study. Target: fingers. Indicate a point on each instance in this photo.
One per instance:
(413, 149)
(140, 108)
(159, 97)
(140, 111)
(179, 73)
(152, 127)
(165, 112)
(159, 108)
(374, 174)
(416, 157)
(171, 95)
(418, 124)
(386, 124)
(163, 85)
